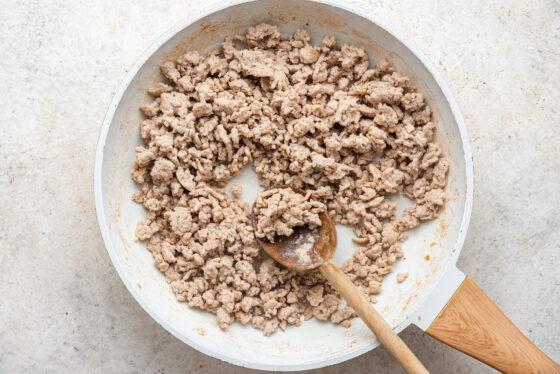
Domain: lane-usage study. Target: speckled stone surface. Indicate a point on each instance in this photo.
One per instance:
(64, 308)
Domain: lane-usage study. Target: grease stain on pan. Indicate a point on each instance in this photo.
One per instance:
(115, 207)
(441, 228)
(126, 243)
(200, 331)
(283, 345)
(410, 298)
(115, 215)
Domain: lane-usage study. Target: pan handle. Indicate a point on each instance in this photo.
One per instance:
(473, 324)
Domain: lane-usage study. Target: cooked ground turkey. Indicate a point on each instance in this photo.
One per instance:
(314, 117)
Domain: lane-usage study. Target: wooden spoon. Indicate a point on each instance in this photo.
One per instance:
(310, 250)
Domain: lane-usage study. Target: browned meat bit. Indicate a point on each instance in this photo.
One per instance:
(401, 277)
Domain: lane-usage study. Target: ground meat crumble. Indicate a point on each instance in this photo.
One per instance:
(314, 117)
(279, 210)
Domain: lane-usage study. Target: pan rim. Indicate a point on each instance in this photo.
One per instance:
(100, 208)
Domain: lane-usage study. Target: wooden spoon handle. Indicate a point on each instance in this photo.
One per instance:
(372, 318)
(473, 324)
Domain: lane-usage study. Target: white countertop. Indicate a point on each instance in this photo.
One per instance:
(64, 308)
